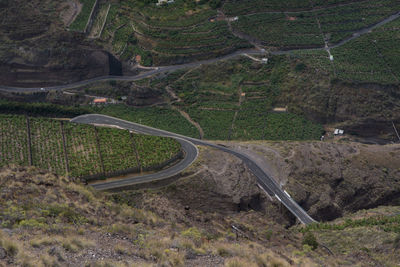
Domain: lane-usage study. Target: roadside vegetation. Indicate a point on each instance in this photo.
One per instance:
(79, 150)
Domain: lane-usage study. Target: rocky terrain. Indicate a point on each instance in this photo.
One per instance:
(331, 179)
(37, 50)
(214, 215)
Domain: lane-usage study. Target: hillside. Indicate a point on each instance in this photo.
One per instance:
(48, 219)
(230, 99)
(253, 172)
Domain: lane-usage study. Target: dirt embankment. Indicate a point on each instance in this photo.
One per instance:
(36, 49)
(332, 179)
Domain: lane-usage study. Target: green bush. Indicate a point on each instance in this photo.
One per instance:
(310, 240)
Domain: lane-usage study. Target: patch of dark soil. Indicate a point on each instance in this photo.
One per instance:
(374, 131)
(330, 179)
(115, 66)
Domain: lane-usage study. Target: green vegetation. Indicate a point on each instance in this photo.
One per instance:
(301, 29)
(99, 20)
(241, 7)
(161, 34)
(89, 150)
(372, 58)
(117, 150)
(275, 126)
(154, 150)
(13, 140)
(340, 22)
(41, 109)
(235, 99)
(279, 30)
(47, 145)
(310, 240)
(215, 123)
(82, 150)
(79, 24)
(158, 117)
(386, 223)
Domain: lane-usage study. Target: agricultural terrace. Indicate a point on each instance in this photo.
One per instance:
(99, 20)
(79, 150)
(158, 117)
(80, 22)
(235, 100)
(312, 26)
(161, 34)
(372, 58)
(13, 140)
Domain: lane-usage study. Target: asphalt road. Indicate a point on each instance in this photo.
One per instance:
(191, 152)
(163, 69)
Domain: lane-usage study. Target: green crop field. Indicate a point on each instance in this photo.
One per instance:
(47, 145)
(117, 150)
(372, 58)
(81, 20)
(301, 29)
(161, 34)
(215, 123)
(241, 7)
(89, 150)
(153, 150)
(279, 31)
(13, 140)
(339, 23)
(235, 99)
(82, 150)
(158, 117)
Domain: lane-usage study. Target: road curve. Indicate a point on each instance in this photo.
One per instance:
(265, 181)
(189, 149)
(163, 69)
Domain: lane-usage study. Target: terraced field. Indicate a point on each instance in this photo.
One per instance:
(47, 145)
(235, 100)
(172, 32)
(158, 117)
(13, 140)
(80, 151)
(79, 24)
(309, 28)
(372, 58)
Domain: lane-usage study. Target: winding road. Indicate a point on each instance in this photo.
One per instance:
(189, 146)
(163, 69)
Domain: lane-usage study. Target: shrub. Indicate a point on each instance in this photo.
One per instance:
(192, 233)
(310, 240)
